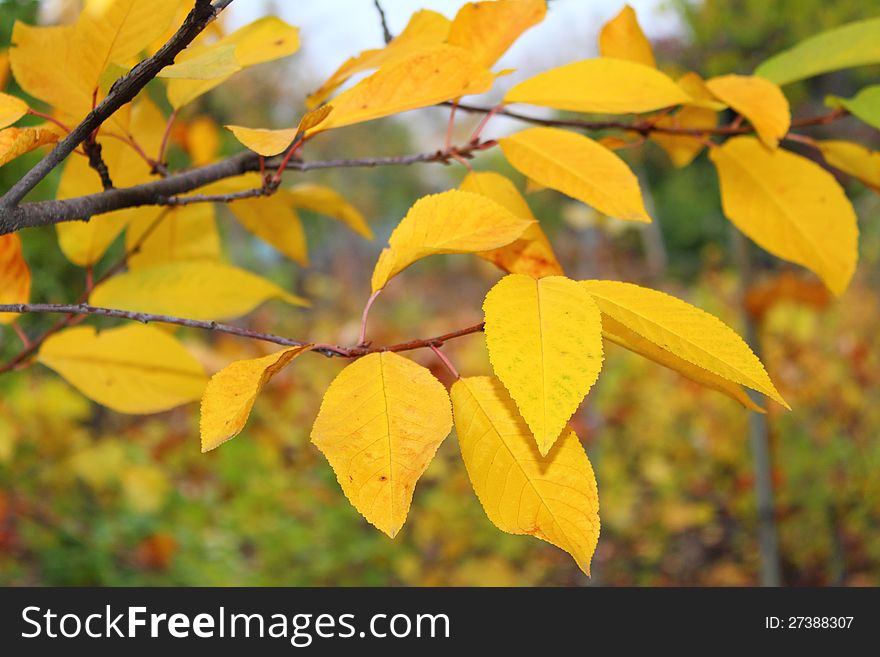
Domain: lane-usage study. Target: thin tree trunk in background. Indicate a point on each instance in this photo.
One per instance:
(759, 431)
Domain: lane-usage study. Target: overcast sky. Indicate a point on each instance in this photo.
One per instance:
(332, 30)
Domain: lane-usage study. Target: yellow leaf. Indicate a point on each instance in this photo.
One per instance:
(622, 38)
(231, 393)
(11, 109)
(425, 28)
(758, 100)
(263, 141)
(324, 200)
(545, 344)
(449, 222)
(426, 77)
(856, 160)
(682, 330)
(790, 206)
(603, 85)
(263, 40)
(579, 167)
(682, 149)
(84, 242)
(313, 117)
(621, 335)
(381, 421)
(696, 88)
(210, 64)
(18, 141)
(4, 68)
(488, 29)
(114, 31)
(273, 142)
(197, 290)
(552, 497)
(274, 220)
(531, 254)
(131, 369)
(35, 59)
(202, 141)
(15, 275)
(188, 232)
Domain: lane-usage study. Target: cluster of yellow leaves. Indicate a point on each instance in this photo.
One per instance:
(433, 60)
(384, 416)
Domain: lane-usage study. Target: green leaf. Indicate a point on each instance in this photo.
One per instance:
(853, 44)
(865, 105)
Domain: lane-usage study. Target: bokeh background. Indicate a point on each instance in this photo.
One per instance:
(88, 496)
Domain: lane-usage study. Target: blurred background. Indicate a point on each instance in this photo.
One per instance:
(88, 496)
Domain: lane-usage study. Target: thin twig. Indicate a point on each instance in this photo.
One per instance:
(82, 309)
(362, 337)
(445, 360)
(386, 33)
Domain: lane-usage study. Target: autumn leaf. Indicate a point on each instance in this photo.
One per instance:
(198, 290)
(273, 142)
(18, 141)
(449, 222)
(759, 101)
(854, 159)
(696, 88)
(12, 109)
(15, 275)
(578, 167)
(488, 29)
(34, 58)
(603, 85)
(426, 28)
(532, 253)
(622, 38)
(552, 497)
(231, 393)
(274, 220)
(327, 201)
(115, 31)
(682, 330)
(131, 369)
(85, 242)
(188, 232)
(545, 343)
(381, 421)
(790, 206)
(682, 149)
(210, 64)
(424, 78)
(264, 40)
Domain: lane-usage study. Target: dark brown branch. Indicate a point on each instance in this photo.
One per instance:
(123, 91)
(96, 161)
(164, 191)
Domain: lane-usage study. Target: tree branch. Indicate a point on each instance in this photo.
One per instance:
(164, 191)
(645, 127)
(83, 309)
(123, 91)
